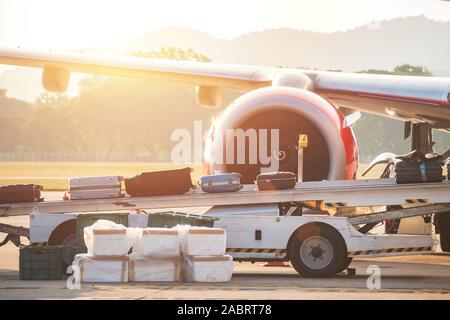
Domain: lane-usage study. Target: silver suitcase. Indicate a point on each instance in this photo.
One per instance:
(95, 187)
(226, 182)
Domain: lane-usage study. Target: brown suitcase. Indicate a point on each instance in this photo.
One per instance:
(20, 193)
(158, 183)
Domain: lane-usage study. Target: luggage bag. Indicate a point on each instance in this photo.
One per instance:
(448, 170)
(158, 183)
(20, 193)
(276, 181)
(227, 182)
(95, 187)
(416, 168)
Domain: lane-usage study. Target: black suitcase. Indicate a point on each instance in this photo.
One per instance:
(414, 168)
(20, 193)
(448, 170)
(158, 183)
(276, 181)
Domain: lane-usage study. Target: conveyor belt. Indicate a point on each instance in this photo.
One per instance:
(352, 193)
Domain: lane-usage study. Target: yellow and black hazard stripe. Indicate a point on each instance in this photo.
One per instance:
(331, 205)
(416, 201)
(312, 204)
(319, 204)
(39, 244)
(255, 250)
(391, 250)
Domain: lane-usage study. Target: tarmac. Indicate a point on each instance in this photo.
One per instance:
(406, 277)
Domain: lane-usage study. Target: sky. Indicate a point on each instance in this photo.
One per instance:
(76, 24)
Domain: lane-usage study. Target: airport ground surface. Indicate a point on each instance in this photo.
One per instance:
(426, 277)
(413, 277)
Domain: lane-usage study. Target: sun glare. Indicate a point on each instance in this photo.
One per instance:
(75, 24)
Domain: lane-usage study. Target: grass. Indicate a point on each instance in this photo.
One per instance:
(53, 175)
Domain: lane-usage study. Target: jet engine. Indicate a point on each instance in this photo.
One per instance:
(259, 132)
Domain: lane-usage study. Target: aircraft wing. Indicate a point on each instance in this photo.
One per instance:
(416, 99)
(233, 77)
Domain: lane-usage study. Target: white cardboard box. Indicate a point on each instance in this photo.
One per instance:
(106, 238)
(201, 241)
(154, 269)
(157, 242)
(102, 269)
(208, 269)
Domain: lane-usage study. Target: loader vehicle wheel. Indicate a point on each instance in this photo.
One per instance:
(317, 250)
(444, 228)
(65, 234)
(347, 261)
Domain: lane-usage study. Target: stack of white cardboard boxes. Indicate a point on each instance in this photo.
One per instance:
(163, 255)
(156, 256)
(204, 255)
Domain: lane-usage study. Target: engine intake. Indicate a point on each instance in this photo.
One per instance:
(259, 132)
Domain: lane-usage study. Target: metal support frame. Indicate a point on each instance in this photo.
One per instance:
(400, 213)
(422, 138)
(13, 234)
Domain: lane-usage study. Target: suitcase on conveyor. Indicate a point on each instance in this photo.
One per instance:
(20, 193)
(276, 181)
(226, 182)
(101, 187)
(448, 170)
(158, 183)
(416, 168)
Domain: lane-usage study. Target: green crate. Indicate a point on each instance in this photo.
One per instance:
(170, 219)
(86, 220)
(41, 263)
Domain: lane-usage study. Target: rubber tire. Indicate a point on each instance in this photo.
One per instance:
(444, 229)
(347, 262)
(65, 234)
(335, 239)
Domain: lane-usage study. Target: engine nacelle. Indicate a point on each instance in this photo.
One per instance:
(55, 79)
(259, 132)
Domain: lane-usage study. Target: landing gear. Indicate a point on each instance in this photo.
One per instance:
(444, 229)
(422, 140)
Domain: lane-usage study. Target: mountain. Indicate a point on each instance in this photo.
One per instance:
(378, 45)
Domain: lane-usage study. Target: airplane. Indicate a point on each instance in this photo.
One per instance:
(321, 104)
